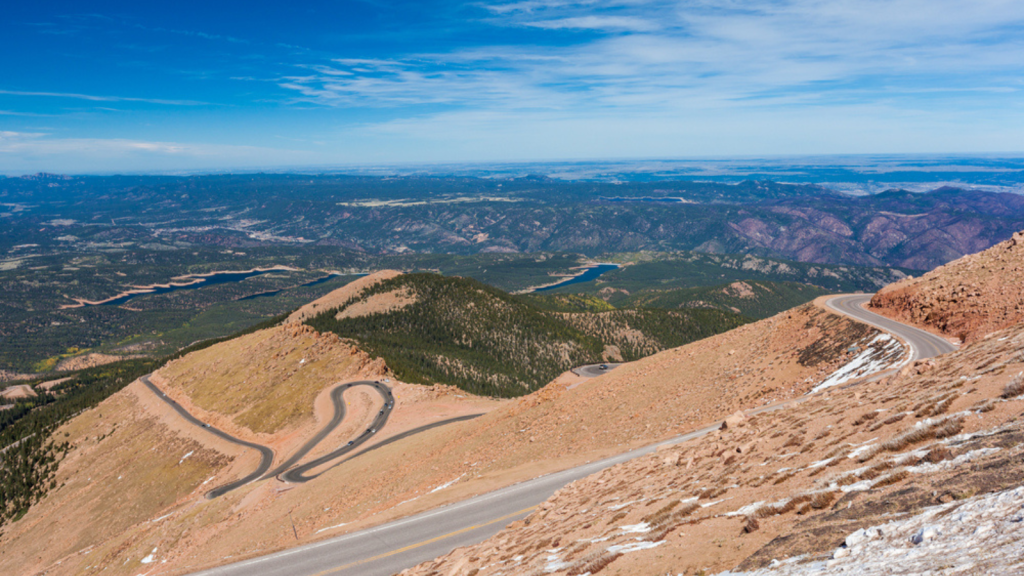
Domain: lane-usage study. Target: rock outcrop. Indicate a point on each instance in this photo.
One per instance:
(965, 299)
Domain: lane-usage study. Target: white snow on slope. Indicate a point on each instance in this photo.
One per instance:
(877, 355)
(980, 535)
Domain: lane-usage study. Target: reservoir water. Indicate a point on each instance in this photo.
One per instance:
(203, 281)
(592, 273)
(306, 285)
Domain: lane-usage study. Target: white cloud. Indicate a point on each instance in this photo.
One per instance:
(95, 98)
(607, 23)
(701, 53)
(23, 152)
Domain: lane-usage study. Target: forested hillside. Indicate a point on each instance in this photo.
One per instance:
(751, 298)
(462, 332)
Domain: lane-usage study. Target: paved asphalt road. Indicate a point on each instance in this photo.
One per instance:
(392, 547)
(594, 370)
(266, 454)
(922, 344)
(298, 474)
(339, 415)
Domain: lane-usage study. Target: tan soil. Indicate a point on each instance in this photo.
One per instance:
(739, 290)
(965, 299)
(379, 304)
(51, 383)
(127, 468)
(87, 361)
(340, 296)
(18, 391)
(786, 457)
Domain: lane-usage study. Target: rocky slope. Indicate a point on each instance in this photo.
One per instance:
(964, 299)
(792, 485)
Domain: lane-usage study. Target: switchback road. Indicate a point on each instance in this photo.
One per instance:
(339, 415)
(392, 547)
(267, 455)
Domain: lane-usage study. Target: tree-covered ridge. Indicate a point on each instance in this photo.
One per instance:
(462, 332)
(756, 299)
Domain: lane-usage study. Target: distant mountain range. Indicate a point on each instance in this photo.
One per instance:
(465, 215)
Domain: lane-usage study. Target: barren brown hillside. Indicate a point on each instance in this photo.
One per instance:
(965, 299)
(794, 483)
(340, 296)
(559, 426)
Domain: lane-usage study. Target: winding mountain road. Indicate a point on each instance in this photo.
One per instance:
(922, 344)
(392, 547)
(339, 415)
(267, 455)
(595, 370)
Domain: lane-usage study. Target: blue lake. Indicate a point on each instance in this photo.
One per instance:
(306, 285)
(217, 278)
(590, 274)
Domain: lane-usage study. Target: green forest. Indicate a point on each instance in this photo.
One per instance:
(485, 341)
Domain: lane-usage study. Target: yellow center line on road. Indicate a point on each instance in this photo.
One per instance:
(424, 543)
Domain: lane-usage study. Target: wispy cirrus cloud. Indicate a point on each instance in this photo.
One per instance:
(95, 98)
(669, 53)
(22, 152)
(604, 23)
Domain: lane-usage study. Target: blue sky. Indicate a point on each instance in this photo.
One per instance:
(137, 86)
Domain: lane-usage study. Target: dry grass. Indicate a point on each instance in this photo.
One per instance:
(789, 474)
(891, 479)
(782, 507)
(890, 420)
(938, 454)
(949, 427)
(920, 433)
(592, 564)
(1015, 387)
(618, 516)
(822, 500)
(866, 417)
(794, 440)
(751, 525)
(265, 381)
(984, 406)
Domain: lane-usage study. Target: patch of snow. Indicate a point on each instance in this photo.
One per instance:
(183, 458)
(555, 563)
(148, 559)
(446, 484)
(331, 527)
(943, 539)
(879, 354)
(634, 547)
(621, 506)
(861, 450)
(636, 528)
